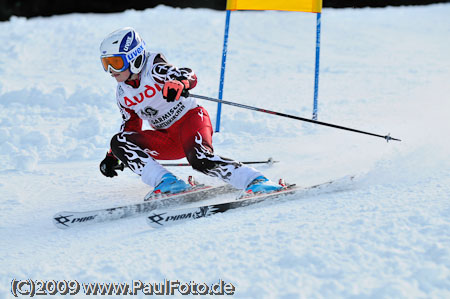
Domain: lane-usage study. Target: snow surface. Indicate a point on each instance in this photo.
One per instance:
(382, 70)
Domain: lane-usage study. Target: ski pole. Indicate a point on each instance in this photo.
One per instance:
(386, 137)
(269, 161)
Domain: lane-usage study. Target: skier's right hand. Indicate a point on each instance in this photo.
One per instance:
(109, 164)
(174, 89)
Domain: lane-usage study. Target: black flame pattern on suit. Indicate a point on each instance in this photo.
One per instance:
(163, 71)
(125, 115)
(129, 153)
(211, 164)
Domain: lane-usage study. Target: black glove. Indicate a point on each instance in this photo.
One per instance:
(109, 165)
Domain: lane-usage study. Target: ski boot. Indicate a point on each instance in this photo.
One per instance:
(169, 184)
(263, 185)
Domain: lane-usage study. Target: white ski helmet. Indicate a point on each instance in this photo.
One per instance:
(123, 49)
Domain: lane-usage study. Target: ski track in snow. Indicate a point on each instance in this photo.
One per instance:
(382, 70)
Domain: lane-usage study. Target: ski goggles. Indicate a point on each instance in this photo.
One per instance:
(117, 62)
(121, 62)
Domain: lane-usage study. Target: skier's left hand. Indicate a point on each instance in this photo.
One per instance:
(173, 89)
(109, 165)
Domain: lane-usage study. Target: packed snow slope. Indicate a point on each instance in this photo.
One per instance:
(381, 70)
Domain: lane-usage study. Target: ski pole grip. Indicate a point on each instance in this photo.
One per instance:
(119, 166)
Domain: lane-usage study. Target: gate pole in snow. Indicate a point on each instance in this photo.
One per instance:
(316, 73)
(222, 69)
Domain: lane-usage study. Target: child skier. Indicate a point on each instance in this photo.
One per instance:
(151, 89)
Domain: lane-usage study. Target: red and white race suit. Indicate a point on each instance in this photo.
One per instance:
(181, 129)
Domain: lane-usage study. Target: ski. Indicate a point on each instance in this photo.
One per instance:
(166, 217)
(65, 220)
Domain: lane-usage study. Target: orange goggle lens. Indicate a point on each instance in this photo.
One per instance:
(117, 63)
